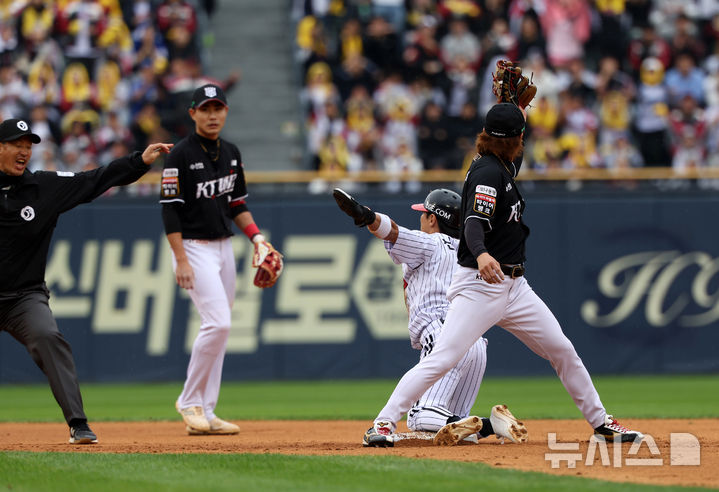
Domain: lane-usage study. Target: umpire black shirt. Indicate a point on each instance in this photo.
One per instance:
(491, 196)
(30, 205)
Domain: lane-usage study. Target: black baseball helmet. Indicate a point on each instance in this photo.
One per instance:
(444, 204)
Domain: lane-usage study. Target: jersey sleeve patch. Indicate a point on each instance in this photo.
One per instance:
(485, 200)
(170, 183)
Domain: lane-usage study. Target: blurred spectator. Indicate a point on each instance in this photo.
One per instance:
(363, 131)
(13, 90)
(614, 117)
(652, 111)
(686, 38)
(578, 80)
(78, 149)
(648, 44)
(77, 88)
(463, 132)
(459, 42)
(621, 154)
(391, 10)
(421, 56)
(177, 21)
(530, 39)
(499, 40)
(611, 33)
(566, 25)
(382, 44)
(687, 119)
(435, 142)
(611, 78)
(322, 126)
(403, 163)
(355, 70)
(685, 79)
(461, 86)
(82, 22)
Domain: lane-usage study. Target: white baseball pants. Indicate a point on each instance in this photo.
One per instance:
(476, 306)
(453, 394)
(213, 264)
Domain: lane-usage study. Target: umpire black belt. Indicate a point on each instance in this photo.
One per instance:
(513, 271)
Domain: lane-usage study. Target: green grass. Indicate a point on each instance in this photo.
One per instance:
(637, 397)
(645, 396)
(69, 471)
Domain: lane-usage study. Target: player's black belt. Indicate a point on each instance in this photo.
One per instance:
(513, 271)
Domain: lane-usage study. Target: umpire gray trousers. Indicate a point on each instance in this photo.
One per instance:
(27, 317)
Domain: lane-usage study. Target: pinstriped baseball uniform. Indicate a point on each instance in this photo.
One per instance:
(428, 263)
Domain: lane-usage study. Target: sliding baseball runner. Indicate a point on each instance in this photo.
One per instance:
(428, 257)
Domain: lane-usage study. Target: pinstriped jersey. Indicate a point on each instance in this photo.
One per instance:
(428, 262)
(204, 190)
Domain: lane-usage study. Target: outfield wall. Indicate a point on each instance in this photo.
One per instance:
(633, 279)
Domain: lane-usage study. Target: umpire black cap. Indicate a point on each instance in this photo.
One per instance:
(13, 129)
(444, 204)
(206, 93)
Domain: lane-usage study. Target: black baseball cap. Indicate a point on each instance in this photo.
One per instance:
(208, 92)
(504, 120)
(14, 128)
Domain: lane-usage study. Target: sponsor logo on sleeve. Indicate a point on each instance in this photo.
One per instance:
(485, 200)
(170, 183)
(65, 174)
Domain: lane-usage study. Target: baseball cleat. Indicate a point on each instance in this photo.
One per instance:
(81, 434)
(379, 435)
(506, 425)
(217, 427)
(452, 433)
(194, 417)
(612, 430)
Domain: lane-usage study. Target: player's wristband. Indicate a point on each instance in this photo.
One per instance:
(251, 230)
(385, 226)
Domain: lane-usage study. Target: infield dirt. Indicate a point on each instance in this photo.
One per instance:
(345, 437)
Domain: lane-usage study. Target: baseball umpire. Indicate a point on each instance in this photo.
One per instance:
(31, 205)
(203, 193)
(489, 287)
(429, 257)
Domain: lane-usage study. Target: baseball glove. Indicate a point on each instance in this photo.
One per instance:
(362, 215)
(268, 262)
(509, 85)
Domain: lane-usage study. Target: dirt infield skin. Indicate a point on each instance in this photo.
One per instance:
(345, 437)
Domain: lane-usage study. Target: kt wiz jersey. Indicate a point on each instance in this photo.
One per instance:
(202, 189)
(491, 195)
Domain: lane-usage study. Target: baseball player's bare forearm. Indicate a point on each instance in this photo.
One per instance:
(244, 219)
(184, 275)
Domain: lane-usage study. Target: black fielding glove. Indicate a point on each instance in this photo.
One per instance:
(361, 214)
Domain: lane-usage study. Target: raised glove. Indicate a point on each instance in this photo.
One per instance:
(362, 215)
(509, 85)
(268, 262)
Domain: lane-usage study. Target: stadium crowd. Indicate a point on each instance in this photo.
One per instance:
(100, 78)
(402, 85)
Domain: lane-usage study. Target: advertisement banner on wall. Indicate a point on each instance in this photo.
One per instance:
(633, 281)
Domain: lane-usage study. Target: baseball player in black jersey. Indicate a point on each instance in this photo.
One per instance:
(489, 287)
(30, 204)
(203, 193)
(429, 258)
